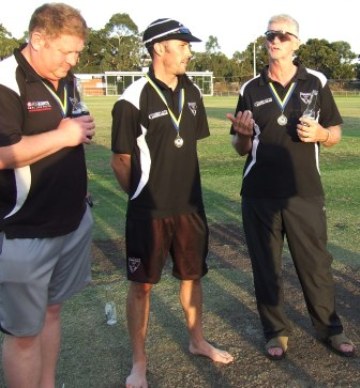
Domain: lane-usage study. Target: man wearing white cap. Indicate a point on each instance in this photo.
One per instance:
(156, 125)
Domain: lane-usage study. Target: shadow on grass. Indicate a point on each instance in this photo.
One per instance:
(230, 322)
(96, 355)
(230, 316)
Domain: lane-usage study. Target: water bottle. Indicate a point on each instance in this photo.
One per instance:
(110, 313)
(110, 310)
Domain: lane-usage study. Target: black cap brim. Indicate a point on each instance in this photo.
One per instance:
(184, 37)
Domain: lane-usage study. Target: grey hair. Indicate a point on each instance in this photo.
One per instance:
(285, 18)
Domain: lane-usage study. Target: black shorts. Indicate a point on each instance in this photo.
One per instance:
(148, 242)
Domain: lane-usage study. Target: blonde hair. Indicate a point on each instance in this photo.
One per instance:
(55, 19)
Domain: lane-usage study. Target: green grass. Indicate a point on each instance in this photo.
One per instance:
(221, 170)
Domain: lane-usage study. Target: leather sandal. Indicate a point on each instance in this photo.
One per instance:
(334, 341)
(277, 342)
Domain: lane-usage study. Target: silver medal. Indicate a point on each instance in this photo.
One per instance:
(282, 120)
(178, 141)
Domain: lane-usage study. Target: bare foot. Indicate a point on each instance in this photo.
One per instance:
(276, 347)
(347, 348)
(275, 351)
(137, 377)
(340, 344)
(207, 350)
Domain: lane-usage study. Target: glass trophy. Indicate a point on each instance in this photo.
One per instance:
(310, 111)
(79, 108)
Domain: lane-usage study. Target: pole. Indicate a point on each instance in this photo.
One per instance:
(254, 58)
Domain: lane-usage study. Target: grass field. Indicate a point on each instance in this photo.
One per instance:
(96, 355)
(221, 170)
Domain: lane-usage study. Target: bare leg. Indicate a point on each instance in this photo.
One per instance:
(21, 357)
(138, 307)
(50, 345)
(191, 301)
(30, 362)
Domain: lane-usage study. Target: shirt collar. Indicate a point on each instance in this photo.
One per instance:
(162, 85)
(301, 74)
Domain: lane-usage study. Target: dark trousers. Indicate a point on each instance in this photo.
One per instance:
(303, 222)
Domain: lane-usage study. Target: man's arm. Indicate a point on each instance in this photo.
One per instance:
(310, 131)
(121, 165)
(30, 149)
(241, 143)
(333, 136)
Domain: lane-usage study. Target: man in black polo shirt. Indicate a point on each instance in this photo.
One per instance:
(45, 223)
(156, 125)
(282, 117)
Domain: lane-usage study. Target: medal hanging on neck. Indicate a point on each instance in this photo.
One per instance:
(63, 105)
(282, 119)
(179, 141)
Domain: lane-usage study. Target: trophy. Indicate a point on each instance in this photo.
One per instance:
(310, 111)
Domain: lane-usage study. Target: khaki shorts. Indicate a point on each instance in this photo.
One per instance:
(35, 273)
(150, 241)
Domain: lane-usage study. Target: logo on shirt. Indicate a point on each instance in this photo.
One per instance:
(155, 115)
(133, 263)
(262, 102)
(306, 97)
(38, 106)
(193, 107)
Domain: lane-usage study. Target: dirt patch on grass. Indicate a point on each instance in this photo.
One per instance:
(231, 322)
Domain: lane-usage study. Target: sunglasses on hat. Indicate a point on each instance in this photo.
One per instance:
(282, 35)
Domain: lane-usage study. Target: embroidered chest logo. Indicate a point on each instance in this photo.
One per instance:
(133, 263)
(38, 106)
(193, 107)
(305, 97)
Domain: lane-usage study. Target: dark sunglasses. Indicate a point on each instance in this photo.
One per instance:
(182, 30)
(283, 36)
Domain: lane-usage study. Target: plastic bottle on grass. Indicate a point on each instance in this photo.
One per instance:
(110, 310)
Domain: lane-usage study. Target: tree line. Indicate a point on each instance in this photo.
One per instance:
(118, 47)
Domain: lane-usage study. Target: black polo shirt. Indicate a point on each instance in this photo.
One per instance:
(165, 180)
(279, 164)
(46, 198)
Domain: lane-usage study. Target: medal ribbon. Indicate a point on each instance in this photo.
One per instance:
(63, 105)
(175, 121)
(282, 103)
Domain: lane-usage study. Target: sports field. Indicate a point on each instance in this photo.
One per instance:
(95, 355)
(221, 170)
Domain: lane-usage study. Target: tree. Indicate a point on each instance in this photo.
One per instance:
(332, 59)
(7, 43)
(93, 57)
(261, 55)
(346, 69)
(212, 45)
(122, 48)
(357, 68)
(241, 65)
